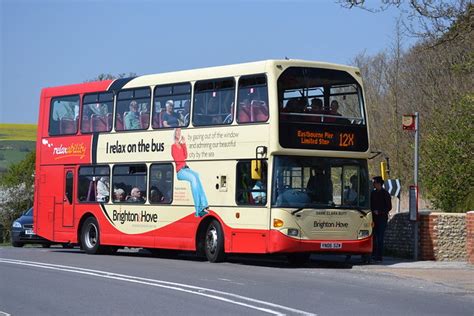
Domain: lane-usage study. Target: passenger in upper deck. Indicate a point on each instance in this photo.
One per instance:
(185, 113)
(96, 108)
(132, 119)
(170, 118)
(316, 105)
(334, 108)
(213, 111)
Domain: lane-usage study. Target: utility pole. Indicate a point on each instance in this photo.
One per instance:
(411, 123)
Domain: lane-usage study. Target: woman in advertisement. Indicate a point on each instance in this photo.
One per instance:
(179, 152)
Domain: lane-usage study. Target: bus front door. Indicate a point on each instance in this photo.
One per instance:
(68, 199)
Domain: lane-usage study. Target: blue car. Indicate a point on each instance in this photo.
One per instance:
(22, 232)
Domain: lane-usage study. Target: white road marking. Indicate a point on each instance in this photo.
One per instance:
(210, 293)
(4, 314)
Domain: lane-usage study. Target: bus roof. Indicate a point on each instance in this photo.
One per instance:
(193, 75)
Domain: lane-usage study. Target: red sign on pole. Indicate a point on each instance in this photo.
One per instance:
(409, 122)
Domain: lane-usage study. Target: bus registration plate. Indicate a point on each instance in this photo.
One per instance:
(331, 245)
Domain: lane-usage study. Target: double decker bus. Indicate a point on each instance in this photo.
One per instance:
(263, 157)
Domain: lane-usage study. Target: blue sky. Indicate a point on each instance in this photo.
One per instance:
(48, 43)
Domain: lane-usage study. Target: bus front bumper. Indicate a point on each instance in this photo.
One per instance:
(280, 243)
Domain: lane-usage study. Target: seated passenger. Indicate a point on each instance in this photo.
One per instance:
(185, 114)
(132, 119)
(334, 108)
(156, 196)
(135, 196)
(103, 190)
(319, 186)
(213, 111)
(119, 195)
(170, 118)
(291, 106)
(316, 105)
(350, 193)
(96, 108)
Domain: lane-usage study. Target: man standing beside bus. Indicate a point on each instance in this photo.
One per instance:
(380, 205)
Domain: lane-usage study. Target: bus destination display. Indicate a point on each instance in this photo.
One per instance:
(324, 137)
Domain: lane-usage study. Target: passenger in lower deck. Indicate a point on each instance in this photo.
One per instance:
(136, 196)
(119, 195)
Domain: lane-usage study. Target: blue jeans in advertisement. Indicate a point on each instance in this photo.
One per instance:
(199, 196)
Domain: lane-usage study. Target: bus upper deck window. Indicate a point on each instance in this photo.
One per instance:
(64, 115)
(214, 102)
(252, 99)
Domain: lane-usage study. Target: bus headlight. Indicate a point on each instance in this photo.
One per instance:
(277, 222)
(363, 234)
(293, 232)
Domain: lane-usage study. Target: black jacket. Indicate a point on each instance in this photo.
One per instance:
(380, 201)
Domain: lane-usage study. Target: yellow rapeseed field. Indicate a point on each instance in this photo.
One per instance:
(18, 132)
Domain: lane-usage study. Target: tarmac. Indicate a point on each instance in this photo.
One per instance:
(454, 274)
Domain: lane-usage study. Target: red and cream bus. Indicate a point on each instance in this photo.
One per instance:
(263, 157)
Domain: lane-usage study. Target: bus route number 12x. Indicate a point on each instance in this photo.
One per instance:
(346, 139)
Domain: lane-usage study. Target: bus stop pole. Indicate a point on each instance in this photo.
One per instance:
(415, 175)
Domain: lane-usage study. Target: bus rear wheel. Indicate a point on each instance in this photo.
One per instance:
(214, 242)
(90, 236)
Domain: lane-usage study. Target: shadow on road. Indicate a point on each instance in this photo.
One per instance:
(317, 261)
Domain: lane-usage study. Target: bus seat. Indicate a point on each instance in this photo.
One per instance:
(99, 123)
(118, 122)
(144, 120)
(67, 126)
(244, 114)
(109, 121)
(259, 111)
(251, 200)
(156, 120)
(85, 124)
(91, 192)
(124, 127)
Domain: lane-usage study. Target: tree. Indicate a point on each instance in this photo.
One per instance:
(16, 191)
(430, 78)
(108, 76)
(448, 168)
(428, 19)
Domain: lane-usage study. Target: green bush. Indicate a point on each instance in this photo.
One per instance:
(447, 164)
(16, 192)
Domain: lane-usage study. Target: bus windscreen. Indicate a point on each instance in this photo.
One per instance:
(321, 109)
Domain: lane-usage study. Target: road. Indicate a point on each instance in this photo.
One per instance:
(56, 281)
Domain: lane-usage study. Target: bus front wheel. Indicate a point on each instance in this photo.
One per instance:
(90, 236)
(214, 242)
